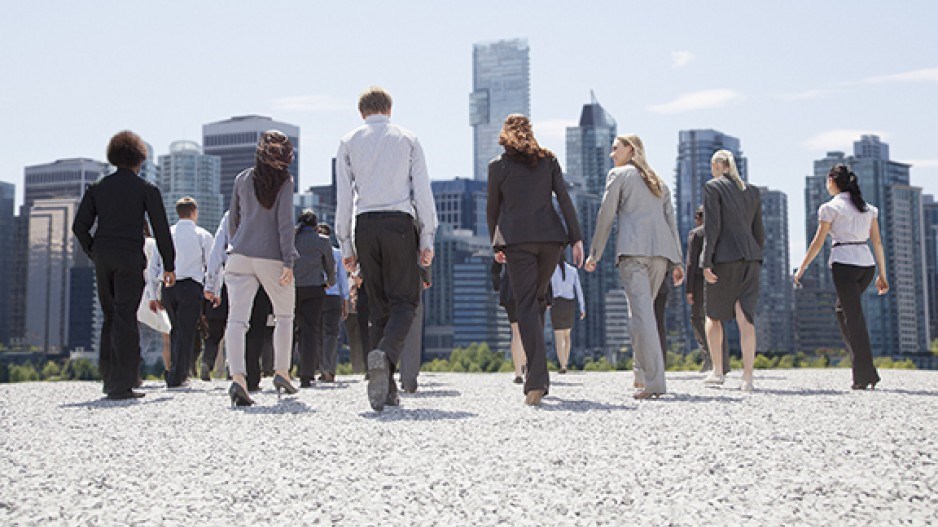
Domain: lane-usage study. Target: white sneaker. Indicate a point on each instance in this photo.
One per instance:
(746, 386)
(715, 379)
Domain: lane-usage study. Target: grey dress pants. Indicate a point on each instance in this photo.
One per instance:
(641, 278)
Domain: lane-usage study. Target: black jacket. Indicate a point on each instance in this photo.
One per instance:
(733, 229)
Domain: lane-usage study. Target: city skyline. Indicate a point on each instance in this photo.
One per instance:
(819, 94)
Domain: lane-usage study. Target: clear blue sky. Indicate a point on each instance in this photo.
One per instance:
(791, 80)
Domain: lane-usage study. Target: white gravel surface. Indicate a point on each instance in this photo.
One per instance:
(802, 450)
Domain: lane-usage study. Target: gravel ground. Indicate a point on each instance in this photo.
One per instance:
(802, 450)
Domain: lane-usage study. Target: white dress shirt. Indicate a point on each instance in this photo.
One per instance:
(215, 275)
(567, 287)
(193, 247)
(381, 167)
(848, 226)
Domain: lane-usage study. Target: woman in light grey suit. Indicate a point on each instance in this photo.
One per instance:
(732, 260)
(646, 246)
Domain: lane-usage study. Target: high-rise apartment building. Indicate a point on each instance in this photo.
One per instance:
(235, 142)
(477, 317)
(460, 204)
(501, 85)
(7, 255)
(930, 230)
(774, 320)
(65, 178)
(186, 171)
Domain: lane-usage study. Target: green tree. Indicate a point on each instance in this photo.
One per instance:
(600, 365)
(23, 373)
(934, 347)
(51, 371)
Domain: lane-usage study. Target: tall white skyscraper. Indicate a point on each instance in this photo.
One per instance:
(186, 171)
(501, 85)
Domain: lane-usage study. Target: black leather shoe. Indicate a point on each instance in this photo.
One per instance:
(306, 382)
(519, 380)
(394, 398)
(123, 396)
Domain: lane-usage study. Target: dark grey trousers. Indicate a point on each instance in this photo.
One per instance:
(413, 345)
(851, 281)
(331, 318)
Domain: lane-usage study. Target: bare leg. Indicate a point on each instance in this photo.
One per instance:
(747, 340)
(714, 330)
(166, 351)
(517, 349)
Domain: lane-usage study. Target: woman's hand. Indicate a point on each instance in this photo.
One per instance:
(882, 286)
(286, 277)
(582, 315)
(590, 265)
(709, 276)
(500, 257)
(798, 277)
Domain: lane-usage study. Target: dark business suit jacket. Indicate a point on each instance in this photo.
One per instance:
(520, 206)
(733, 229)
(695, 241)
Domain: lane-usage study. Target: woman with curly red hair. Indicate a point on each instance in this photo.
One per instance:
(528, 235)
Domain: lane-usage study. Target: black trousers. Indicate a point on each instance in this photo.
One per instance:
(661, 304)
(259, 337)
(386, 243)
(217, 319)
(309, 301)
(183, 303)
(364, 324)
(851, 281)
(331, 319)
(698, 316)
(530, 266)
(120, 286)
(357, 352)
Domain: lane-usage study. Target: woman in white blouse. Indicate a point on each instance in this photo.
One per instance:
(565, 285)
(851, 222)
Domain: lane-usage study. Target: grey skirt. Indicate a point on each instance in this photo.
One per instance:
(562, 312)
(736, 282)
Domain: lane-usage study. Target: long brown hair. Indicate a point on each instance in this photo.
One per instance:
(518, 139)
(274, 154)
(652, 181)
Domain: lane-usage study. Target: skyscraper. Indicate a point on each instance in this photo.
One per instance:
(930, 229)
(460, 204)
(898, 321)
(501, 85)
(235, 141)
(186, 171)
(695, 148)
(53, 252)
(588, 163)
(477, 317)
(7, 230)
(65, 178)
(774, 322)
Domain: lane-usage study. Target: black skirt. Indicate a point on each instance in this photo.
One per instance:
(562, 313)
(736, 281)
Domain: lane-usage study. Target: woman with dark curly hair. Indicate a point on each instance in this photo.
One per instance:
(528, 235)
(118, 204)
(263, 251)
(851, 222)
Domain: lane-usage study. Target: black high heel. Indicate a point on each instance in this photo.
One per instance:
(239, 397)
(280, 383)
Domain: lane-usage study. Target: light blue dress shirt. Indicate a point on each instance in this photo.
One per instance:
(340, 287)
(569, 287)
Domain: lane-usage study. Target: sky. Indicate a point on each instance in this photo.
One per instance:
(792, 80)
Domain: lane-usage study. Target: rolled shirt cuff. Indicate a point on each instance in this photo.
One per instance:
(348, 250)
(426, 240)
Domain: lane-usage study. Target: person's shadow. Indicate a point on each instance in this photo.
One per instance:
(552, 404)
(425, 394)
(415, 414)
(288, 406)
(107, 404)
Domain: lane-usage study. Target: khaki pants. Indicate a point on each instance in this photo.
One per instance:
(243, 274)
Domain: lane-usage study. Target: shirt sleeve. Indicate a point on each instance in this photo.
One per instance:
(825, 213)
(160, 224)
(207, 242)
(216, 259)
(328, 263)
(424, 206)
(285, 224)
(153, 274)
(566, 204)
(578, 288)
(607, 214)
(713, 223)
(343, 208)
(342, 280)
(84, 220)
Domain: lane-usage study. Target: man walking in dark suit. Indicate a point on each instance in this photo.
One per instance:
(119, 204)
(382, 183)
(695, 294)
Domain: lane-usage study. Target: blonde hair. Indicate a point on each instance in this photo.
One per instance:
(725, 157)
(654, 183)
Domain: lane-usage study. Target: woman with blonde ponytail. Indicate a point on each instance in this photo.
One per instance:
(647, 245)
(732, 260)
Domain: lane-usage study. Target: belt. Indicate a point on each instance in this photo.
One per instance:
(838, 244)
(383, 214)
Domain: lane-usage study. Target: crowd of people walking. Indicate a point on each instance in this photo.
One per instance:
(276, 290)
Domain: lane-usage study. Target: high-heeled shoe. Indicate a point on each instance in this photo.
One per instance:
(280, 383)
(239, 397)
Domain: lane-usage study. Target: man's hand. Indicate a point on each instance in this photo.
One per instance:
(155, 306)
(169, 278)
(590, 265)
(350, 263)
(344, 310)
(286, 277)
(709, 276)
(578, 254)
(678, 275)
(582, 315)
(500, 257)
(426, 257)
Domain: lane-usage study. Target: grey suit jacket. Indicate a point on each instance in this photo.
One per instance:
(646, 225)
(733, 229)
(694, 249)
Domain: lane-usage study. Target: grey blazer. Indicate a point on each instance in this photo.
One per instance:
(646, 223)
(733, 229)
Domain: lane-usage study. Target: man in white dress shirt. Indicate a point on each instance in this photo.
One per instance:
(183, 301)
(383, 187)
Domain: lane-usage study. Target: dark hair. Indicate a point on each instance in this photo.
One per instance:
(308, 218)
(185, 207)
(325, 229)
(563, 267)
(518, 139)
(847, 181)
(274, 154)
(699, 212)
(126, 150)
(374, 100)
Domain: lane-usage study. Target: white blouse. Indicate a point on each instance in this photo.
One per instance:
(848, 227)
